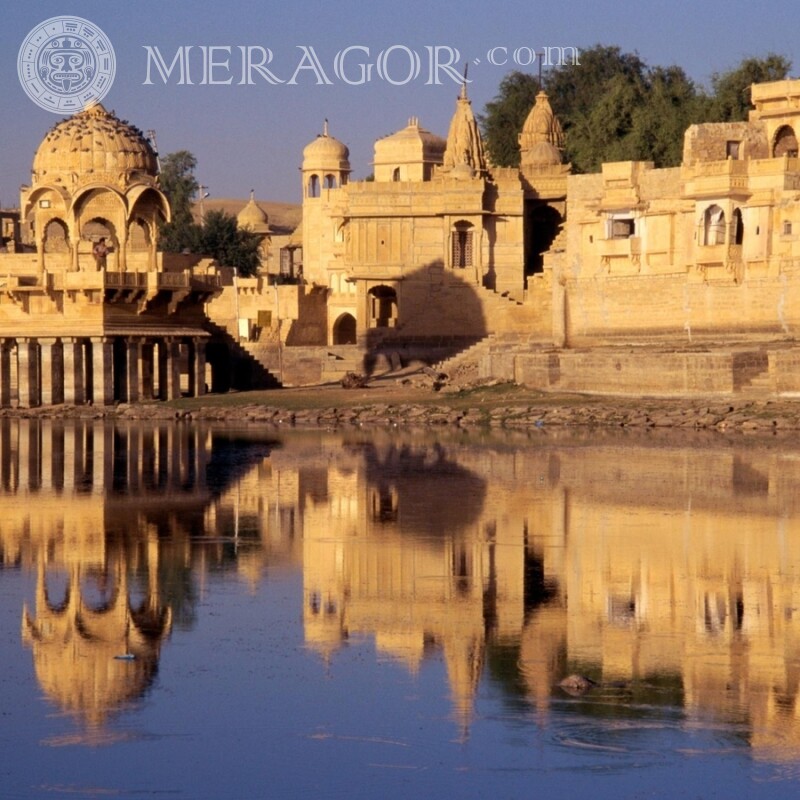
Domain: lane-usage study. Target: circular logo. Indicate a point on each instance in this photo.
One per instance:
(65, 64)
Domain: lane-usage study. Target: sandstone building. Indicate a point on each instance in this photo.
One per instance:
(632, 280)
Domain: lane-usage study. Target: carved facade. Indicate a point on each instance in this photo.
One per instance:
(77, 326)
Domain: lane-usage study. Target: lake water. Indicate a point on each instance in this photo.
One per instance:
(212, 612)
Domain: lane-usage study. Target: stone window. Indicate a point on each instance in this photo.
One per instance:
(396, 174)
(713, 226)
(621, 226)
(737, 227)
(383, 307)
(787, 228)
(462, 239)
(313, 186)
(732, 149)
(330, 181)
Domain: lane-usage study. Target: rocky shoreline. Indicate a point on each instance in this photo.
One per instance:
(769, 416)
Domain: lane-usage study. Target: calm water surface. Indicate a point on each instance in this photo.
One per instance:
(213, 613)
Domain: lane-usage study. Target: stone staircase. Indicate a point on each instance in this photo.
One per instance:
(751, 373)
(233, 364)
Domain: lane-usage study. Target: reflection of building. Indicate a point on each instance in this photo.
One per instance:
(673, 572)
(112, 519)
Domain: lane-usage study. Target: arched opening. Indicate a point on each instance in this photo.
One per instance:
(99, 589)
(713, 226)
(138, 235)
(542, 223)
(344, 330)
(56, 237)
(396, 174)
(737, 227)
(383, 307)
(313, 186)
(462, 245)
(330, 181)
(785, 142)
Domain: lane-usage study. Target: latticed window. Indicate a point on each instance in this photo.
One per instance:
(462, 246)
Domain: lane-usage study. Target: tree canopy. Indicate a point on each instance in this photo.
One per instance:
(614, 107)
(217, 236)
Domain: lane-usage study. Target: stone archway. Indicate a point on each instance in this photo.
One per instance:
(344, 330)
(382, 307)
(785, 142)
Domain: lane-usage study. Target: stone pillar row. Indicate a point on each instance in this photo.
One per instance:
(96, 457)
(103, 370)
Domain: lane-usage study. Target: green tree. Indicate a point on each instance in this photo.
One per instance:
(731, 89)
(179, 184)
(504, 117)
(219, 237)
(613, 106)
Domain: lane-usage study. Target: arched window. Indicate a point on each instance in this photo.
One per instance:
(396, 174)
(344, 330)
(329, 182)
(714, 226)
(737, 227)
(462, 245)
(313, 186)
(785, 142)
(56, 238)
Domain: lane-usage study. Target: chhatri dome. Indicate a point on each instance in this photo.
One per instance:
(90, 142)
(326, 153)
(463, 156)
(252, 216)
(542, 138)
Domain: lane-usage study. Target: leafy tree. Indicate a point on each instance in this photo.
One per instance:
(179, 184)
(505, 115)
(220, 238)
(612, 106)
(731, 89)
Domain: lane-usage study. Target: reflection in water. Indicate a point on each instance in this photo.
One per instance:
(669, 575)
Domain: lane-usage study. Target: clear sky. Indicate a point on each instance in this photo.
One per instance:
(252, 136)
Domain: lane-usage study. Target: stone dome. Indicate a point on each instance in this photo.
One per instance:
(542, 138)
(326, 152)
(252, 216)
(93, 141)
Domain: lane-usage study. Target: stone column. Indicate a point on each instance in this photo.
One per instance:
(147, 371)
(133, 353)
(169, 369)
(74, 373)
(28, 372)
(197, 368)
(5, 373)
(51, 372)
(102, 389)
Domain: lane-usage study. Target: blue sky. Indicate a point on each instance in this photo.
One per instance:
(251, 136)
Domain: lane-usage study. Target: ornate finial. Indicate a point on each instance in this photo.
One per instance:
(252, 195)
(463, 95)
(325, 127)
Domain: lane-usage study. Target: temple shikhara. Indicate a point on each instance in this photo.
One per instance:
(631, 280)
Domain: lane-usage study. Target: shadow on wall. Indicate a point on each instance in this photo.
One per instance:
(431, 313)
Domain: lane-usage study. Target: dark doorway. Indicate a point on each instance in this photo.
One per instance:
(542, 223)
(344, 330)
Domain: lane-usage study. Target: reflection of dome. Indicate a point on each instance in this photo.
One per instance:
(93, 141)
(326, 152)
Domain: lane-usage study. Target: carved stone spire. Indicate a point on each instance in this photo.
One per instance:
(542, 138)
(464, 152)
